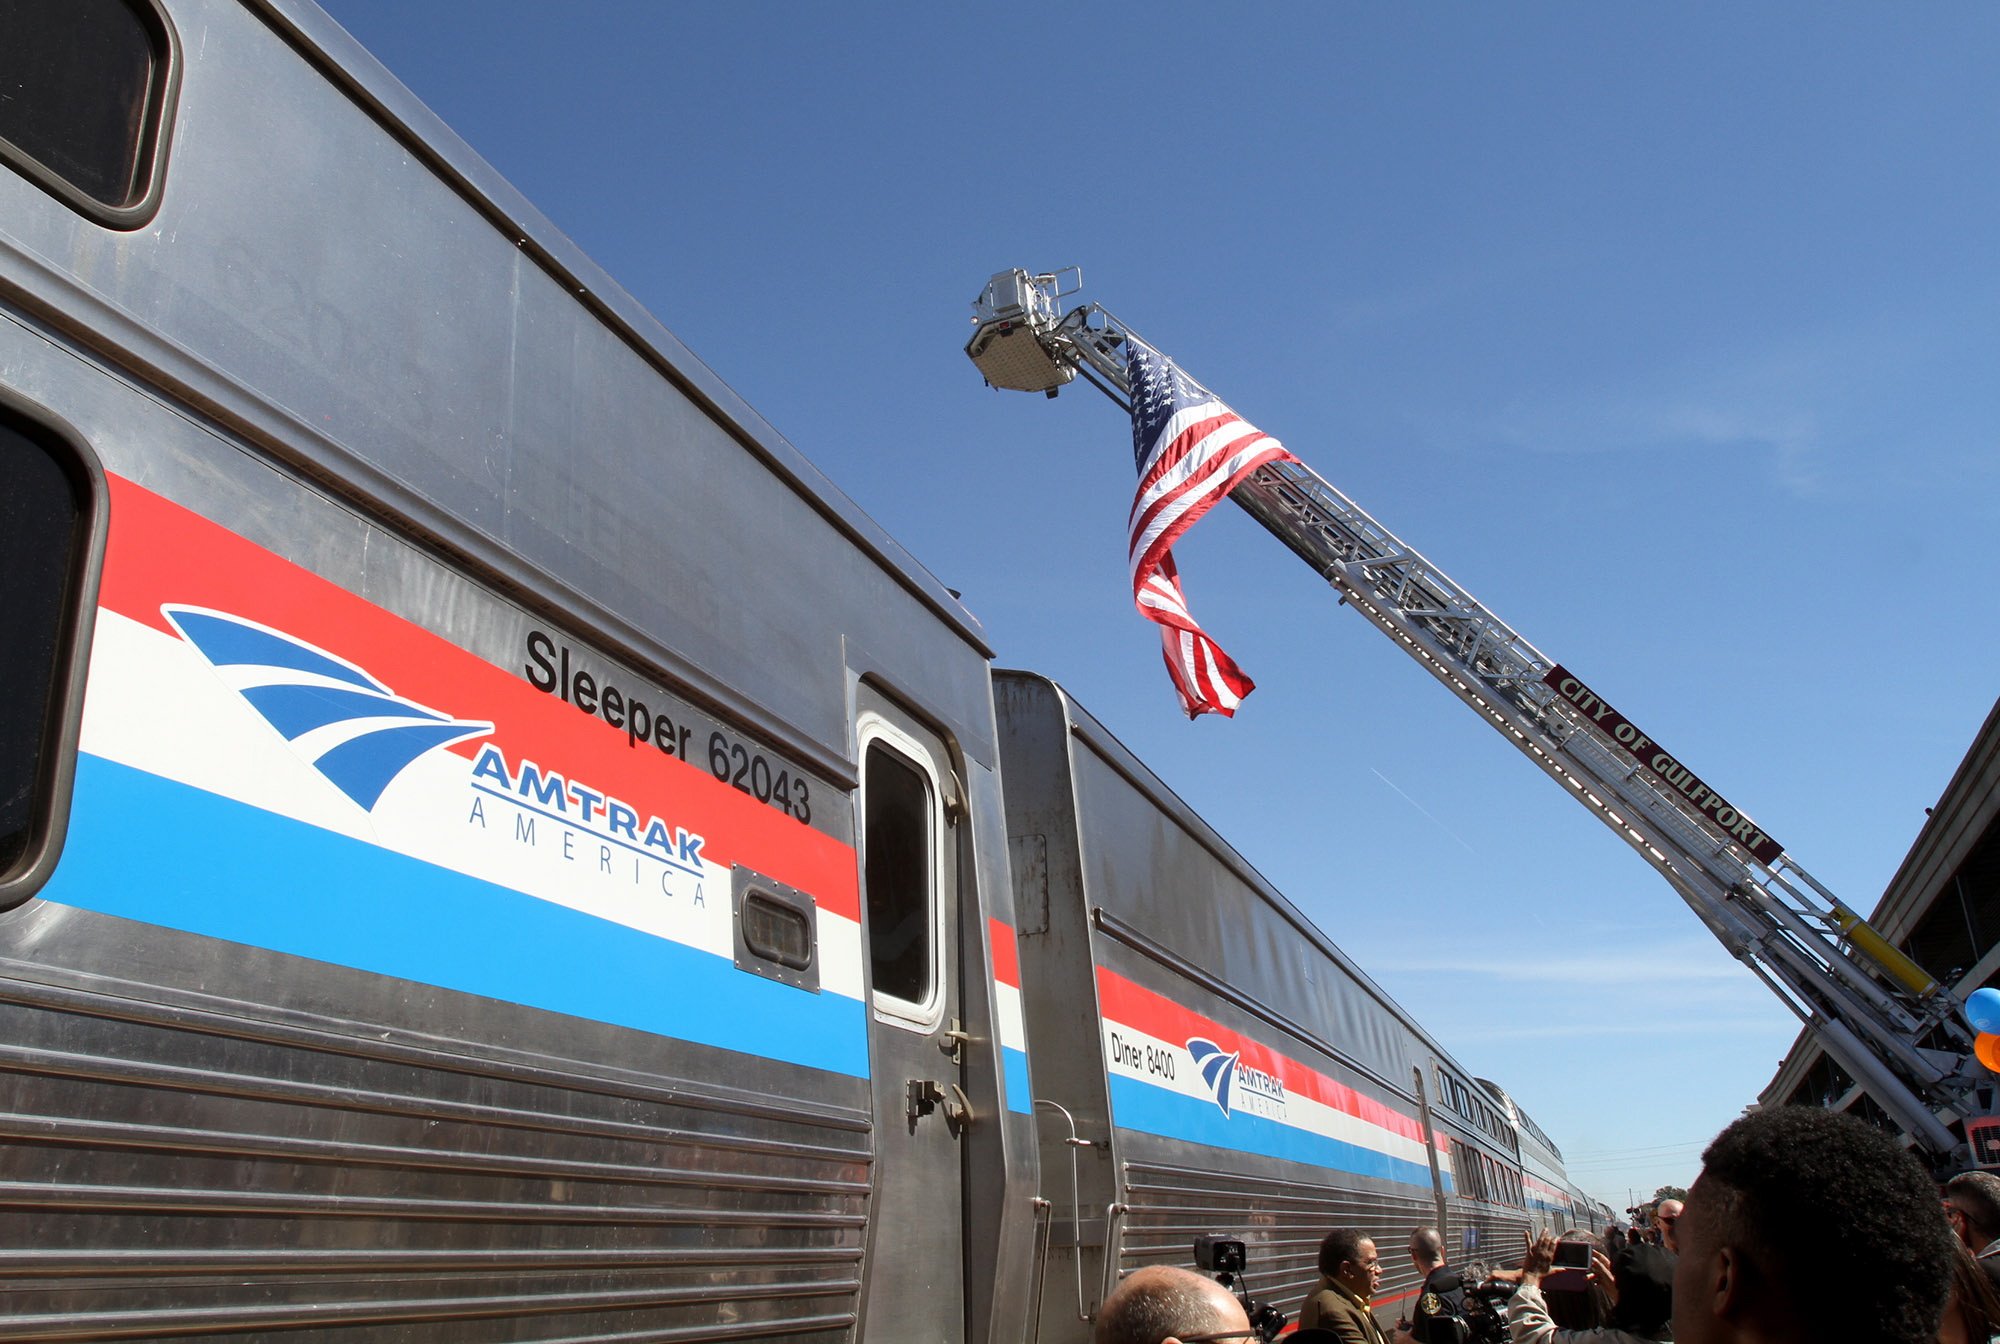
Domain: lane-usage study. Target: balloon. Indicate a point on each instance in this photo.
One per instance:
(1982, 1010)
(1987, 1047)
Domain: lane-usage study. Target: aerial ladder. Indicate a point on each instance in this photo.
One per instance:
(1894, 1029)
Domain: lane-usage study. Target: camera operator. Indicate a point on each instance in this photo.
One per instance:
(1164, 1305)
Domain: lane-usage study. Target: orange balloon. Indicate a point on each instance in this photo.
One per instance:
(1987, 1046)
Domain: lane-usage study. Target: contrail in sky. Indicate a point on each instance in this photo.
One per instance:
(1426, 811)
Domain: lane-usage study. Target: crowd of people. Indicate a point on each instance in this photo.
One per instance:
(1804, 1227)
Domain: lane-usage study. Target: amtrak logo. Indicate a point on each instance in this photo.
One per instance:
(353, 729)
(1217, 1067)
(1234, 1084)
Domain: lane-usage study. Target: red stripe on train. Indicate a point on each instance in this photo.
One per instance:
(1006, 952)
(1123, 1001)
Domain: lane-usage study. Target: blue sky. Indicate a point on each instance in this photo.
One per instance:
(1667, 331)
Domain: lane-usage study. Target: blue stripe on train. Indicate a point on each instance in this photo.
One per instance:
(146, 848)
(1020, 1093)
(1137, 1105)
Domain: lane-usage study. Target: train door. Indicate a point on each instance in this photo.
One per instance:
(1430, 1143)
(909, 868)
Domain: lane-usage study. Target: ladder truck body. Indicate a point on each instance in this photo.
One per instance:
(1894, 1028)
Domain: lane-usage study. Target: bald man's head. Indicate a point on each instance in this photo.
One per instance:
(1160, 1303)
(1668, 1216)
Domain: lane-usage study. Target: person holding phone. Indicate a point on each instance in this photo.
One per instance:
(1529, 1316)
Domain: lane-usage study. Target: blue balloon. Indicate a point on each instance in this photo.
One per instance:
(1982, 1010)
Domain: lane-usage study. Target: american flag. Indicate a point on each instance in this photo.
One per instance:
(1191, 451)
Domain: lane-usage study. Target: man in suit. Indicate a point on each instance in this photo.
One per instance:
(1349, 1273)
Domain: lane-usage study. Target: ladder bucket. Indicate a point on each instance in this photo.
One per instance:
(1014, 313)
(1009, 355)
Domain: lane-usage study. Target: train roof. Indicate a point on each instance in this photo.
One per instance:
(349, 64)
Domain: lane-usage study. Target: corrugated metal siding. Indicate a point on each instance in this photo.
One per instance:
(171, 1173)
(1501, 1235)
(1281, 1223)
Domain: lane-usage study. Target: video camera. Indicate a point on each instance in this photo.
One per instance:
(1486, 1306)
(1223, 1258)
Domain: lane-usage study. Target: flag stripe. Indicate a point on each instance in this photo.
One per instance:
(1187, 456)
(1176, 515)
(1157, 475)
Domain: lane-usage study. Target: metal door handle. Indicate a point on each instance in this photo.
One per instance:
(927, 1095)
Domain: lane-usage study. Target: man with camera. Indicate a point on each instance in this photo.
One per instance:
(1575, 1264)
(1163, 1305)
(1349, 1273)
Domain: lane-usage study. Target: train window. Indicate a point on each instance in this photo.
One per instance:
(86, 92)
(50, 502)
(899, 843)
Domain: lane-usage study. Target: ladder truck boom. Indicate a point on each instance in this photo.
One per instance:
(1889, 1024)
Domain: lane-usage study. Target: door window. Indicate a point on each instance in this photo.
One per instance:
(46, 510)
(902, 818)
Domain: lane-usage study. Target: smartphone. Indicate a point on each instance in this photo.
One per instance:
(1571, 1273)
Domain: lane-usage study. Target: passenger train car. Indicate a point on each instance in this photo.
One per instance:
(1247, 1076)
(1551, 1199)
(494, 846)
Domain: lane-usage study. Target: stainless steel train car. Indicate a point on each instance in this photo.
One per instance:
(1247, 1075)
(493, 846)
(1552, 1199)
(510, 852)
